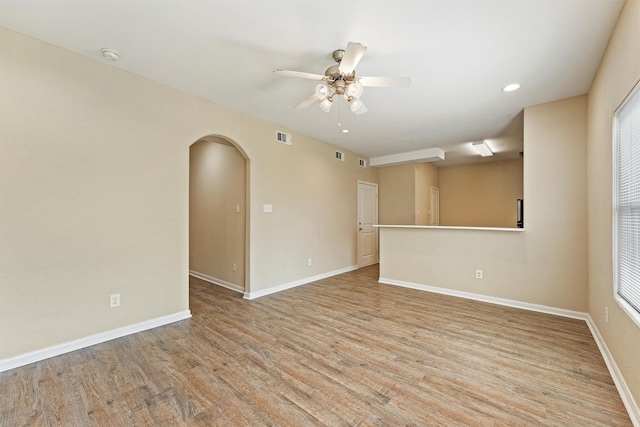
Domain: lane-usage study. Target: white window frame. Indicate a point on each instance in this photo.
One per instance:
(633, 312)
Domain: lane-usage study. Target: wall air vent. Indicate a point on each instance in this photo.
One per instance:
(340, 155)
(362, 163)
(283, 138)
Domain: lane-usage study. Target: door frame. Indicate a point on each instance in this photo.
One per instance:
(437, 206)
(375, 221)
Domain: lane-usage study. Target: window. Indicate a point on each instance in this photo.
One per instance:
(626, 210)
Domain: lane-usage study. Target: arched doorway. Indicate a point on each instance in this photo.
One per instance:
(218, 219)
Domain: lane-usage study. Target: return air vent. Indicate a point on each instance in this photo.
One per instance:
(283, 138)
(340, 155)
(362, 163)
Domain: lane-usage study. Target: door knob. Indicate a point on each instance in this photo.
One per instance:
(360, 229)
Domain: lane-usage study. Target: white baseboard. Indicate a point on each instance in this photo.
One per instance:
(56, 350)
(616, 375)
(485, 298)
(218, 282)
(618, 379)
(285, 286)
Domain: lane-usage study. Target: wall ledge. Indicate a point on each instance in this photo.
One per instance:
(625, 393)
(57, 350)
(447, 227)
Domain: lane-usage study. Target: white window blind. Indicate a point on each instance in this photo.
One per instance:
(627, 203)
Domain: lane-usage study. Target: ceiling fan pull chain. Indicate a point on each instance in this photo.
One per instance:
(339, 112)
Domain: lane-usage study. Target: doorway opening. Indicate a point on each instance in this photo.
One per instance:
(218, 213)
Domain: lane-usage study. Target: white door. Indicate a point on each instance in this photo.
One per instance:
(367, 246)
(434, 206)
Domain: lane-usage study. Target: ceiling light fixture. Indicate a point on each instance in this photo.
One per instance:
(340, 79)
(511, 87)
(349, 89)
(326, 91)
(322, 90)
(325, 105)
(341, 83)
(345, 131)
(110, 54)
(482, 148)
(355, 89)
(355, 104)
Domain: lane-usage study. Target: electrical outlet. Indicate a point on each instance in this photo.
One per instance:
(235, 267)
(478, 274)
(114, 300)
(606, 314)
(308, 261)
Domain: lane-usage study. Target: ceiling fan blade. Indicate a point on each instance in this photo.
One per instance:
(304, 104)
(299, 74)
(351, 57)
(385, 81)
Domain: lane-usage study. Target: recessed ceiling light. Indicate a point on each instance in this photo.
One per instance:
(511, 87)
(345, 130)
(110, 54)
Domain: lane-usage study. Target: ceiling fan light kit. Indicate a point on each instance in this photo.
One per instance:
(341, 85)
(341, 80)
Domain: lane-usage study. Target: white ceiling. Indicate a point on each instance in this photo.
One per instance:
(458, 54)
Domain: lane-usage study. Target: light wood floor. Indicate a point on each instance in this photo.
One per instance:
(342, 351)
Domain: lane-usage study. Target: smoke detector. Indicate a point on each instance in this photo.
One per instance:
(110, 54)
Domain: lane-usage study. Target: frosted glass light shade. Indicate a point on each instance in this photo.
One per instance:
(355, 104)
(325, 105)
(322, 90)
(354, 90)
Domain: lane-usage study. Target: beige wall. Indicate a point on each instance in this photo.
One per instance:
(404, 193)
(476, 195)
(396, 194)
(545, 264)
(426, 177)
(481, 194)
(94, 184)
(216, 228)
(618, 73)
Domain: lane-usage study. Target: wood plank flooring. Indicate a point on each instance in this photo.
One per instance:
(344, 351)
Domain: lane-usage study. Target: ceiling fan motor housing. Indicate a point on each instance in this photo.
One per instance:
(333, 72)
(338, 54)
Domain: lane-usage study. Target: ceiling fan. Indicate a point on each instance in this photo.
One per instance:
(341, 80)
